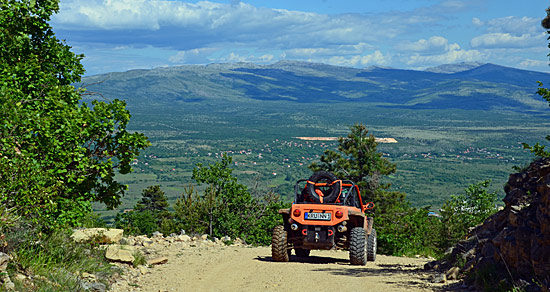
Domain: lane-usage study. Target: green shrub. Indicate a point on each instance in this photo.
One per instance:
(226, 208)
(407, 231)
(93, 220)
(150, 214)
(137, 222)
(169, 226)
(461, 212)
(53, 260)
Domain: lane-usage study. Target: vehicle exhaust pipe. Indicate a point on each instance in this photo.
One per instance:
(294, 226)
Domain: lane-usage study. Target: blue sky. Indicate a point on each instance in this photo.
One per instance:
(120, 35)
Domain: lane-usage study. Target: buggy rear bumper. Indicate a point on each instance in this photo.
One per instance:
(313, 237)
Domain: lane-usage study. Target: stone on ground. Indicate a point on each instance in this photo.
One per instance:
(120, 253)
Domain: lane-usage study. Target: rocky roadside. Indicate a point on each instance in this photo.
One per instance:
(133, 256)
(138, 255)
(512, 247)
(165, 263)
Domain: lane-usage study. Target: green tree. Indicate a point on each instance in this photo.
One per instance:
(461, 212)
(193, 211)
(401, 228)
(409, 231)
(538, 149)
(137, 222)
(152, 199)
(227, 207)
(358, 160)
(150, 214)
(57, 154)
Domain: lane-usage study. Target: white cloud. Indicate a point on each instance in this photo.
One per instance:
(505, 40)
(193, 56)
(433, 44)
(449, 57)
(514, 25)
(179, 32)
(342, 50)
(376, 58)
(185, 26)
(529, 63)
(250, 58)
(509, 32)
(511, 41)
(477, 22)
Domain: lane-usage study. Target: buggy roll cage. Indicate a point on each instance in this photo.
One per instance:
(349, 194)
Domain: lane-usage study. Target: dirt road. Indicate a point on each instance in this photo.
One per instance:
(251, 269)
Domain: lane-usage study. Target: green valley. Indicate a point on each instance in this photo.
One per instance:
(452, 129)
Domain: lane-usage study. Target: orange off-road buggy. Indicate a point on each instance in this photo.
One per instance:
(327, 213)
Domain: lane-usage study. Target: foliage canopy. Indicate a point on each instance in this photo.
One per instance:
(227, 208)
(461, 212)
(57, 154)
(358, 160)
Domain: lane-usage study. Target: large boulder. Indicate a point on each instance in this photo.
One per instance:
(102, 235)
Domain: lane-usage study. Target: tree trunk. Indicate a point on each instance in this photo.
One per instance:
(210, 224)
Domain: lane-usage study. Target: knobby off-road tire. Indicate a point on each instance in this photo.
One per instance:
(326, 176)
(279, 244)
(358, 246)
(302, 253)
(371, 246)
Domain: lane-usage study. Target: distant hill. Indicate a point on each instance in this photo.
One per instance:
(469, 86)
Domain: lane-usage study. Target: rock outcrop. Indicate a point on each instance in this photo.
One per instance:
(514, 243)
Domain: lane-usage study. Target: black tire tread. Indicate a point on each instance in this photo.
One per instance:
(357, 250)
(371, 246)
(279, 244)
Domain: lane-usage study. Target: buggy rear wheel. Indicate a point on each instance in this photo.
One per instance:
(279, 244)
(371, 246)
(358, 246)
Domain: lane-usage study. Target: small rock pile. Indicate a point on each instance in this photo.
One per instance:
(514, 243)
(126, 248)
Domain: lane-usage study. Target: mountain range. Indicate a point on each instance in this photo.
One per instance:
(468, 86)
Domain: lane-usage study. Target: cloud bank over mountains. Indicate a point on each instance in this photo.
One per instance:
(118, 35)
